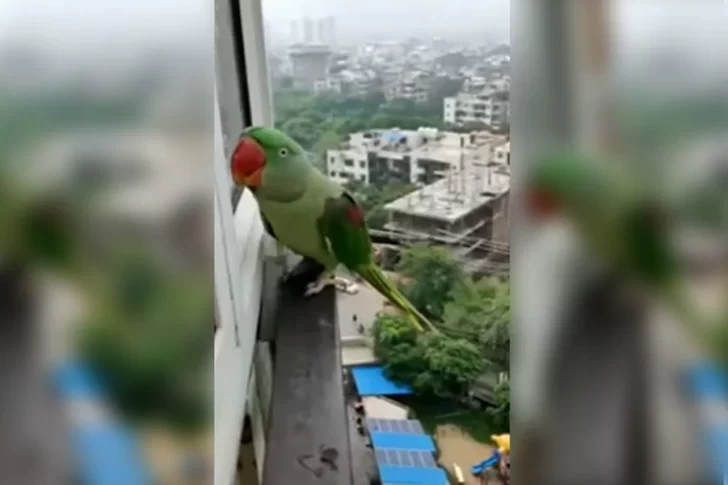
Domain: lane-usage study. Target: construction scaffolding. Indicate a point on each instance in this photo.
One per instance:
(466, 210)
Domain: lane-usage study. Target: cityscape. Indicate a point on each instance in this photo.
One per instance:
(124, 235)
(418, 130)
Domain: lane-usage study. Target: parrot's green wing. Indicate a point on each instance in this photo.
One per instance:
(344, 230)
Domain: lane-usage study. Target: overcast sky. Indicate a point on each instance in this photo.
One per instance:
(398, 17)
(95, 22)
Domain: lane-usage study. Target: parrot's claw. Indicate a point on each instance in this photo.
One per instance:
(317, 286)
(342, 282)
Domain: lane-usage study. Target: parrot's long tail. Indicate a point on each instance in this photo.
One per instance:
(374, 276)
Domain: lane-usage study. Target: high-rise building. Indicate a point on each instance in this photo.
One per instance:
(331, 30)
(308, 33)
(310, 64)
(322, 33)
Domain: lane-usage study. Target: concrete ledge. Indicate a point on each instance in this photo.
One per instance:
(308, 437)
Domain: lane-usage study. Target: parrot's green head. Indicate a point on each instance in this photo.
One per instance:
(270, 163)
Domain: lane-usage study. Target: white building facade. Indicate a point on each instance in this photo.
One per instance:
(490, 107)
(408, 156)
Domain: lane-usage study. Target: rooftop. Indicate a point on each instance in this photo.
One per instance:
(371, 381)
(456, 195)
(426, 143)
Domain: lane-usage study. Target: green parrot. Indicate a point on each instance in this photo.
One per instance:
(310, 214)
(622, 221)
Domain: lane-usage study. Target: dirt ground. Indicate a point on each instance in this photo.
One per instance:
(459, 447)
(165, 453)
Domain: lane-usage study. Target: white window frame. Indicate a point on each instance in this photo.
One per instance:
(238, 296)
(240, 248)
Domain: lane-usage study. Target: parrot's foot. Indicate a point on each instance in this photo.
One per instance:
(342, 282)
(303, 274)
(317, 286)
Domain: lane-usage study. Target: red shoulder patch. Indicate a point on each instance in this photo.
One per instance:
(355, 215)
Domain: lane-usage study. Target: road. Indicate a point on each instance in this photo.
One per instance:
(365, 305)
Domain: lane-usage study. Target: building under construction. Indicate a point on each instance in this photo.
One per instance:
(467, 210)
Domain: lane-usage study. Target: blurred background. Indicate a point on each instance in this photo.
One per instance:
(599, 367)
(106, 238)
(105, 241)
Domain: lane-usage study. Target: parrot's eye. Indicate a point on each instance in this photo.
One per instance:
(283, 152)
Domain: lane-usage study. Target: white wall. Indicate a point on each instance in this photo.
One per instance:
(238, 281)
(336, 165)
(450, 105)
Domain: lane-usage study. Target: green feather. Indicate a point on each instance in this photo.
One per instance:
(350, 242)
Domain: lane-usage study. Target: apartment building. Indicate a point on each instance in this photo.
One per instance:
(411, 86)
(502, 153)
(411, 90)
(490, 106)
(419, 156)
(331, 84)
(466, 210)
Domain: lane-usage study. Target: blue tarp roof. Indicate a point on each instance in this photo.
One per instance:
(392, 136)
(708, 381)
(411, 475)
(106, 452)
(74, 380)
(403, 441)
(371, 381)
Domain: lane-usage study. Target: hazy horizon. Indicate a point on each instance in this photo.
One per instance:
(65, 26)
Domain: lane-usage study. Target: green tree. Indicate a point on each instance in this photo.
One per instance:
(432, 273)
(500, 413)
(152, 352)
(433, 364)
(329, 140)
(396, 344)
(480, 310)
(304, 130)
(452, 366)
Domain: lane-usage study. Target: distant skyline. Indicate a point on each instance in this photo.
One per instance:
(397, 19)
(97, 27)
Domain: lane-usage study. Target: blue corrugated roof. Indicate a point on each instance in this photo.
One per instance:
(411, 475)
(371, 381)
(108, 455)
(403, 441)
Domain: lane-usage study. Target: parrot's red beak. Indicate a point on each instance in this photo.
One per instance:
(247, 163)
(541, 204)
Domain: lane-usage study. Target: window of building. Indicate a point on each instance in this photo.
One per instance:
(348, 162)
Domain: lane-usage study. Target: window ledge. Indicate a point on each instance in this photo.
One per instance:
(308, 415)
